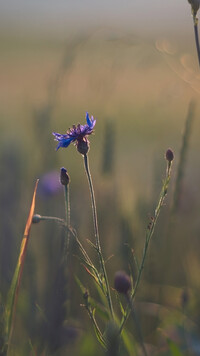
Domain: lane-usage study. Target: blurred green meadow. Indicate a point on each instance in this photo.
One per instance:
(140, 91)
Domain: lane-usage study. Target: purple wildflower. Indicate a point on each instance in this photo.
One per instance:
(49, 184)
(76, 134)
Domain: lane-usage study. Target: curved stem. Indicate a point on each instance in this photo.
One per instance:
(70, 231)
(53, 218)
(96, 231)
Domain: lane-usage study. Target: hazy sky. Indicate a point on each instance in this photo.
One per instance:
(56, 16)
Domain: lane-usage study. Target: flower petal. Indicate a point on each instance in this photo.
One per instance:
(90, 121)
(63, 140)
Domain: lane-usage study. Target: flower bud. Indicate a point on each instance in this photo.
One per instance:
(195, 4)
(83, 146)
(36, 218)
(122, 282)
(169, 155)
(64, 176)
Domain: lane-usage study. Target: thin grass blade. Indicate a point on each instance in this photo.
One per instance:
(13, 293)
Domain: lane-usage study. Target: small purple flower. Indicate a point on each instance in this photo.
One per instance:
(76, 134)
(49, 184)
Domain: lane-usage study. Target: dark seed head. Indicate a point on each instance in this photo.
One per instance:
(122, 282)
(169, 155)
(64, 176)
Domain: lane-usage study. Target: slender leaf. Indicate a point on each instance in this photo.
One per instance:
(81, 286)
(129, 343)
(97, 331)
(100, 310)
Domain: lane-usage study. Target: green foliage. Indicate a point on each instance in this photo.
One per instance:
(49, 320)
(175, 351)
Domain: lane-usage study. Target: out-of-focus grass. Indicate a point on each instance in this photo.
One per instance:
(143, 89)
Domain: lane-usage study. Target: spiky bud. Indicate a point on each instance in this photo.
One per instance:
(122, 282)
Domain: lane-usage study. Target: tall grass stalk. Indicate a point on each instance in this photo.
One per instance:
(183, 153)
(11, 304)
(149, 234)
(96, 231)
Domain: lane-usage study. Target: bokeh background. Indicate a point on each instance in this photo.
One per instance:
(134, 67)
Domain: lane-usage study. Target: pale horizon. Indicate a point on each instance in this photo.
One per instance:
(158, 18)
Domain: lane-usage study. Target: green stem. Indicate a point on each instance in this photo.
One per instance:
(71, 231)
(67, 219)
(136, 321)
(149, 235)
(53, 218)
(196, 35)
(183, 156)
(96, 327)
(96, 231)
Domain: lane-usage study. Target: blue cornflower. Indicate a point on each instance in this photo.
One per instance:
(77, 134)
